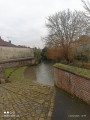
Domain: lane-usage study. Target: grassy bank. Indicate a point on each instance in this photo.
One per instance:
(9, 70)
(18, 75)
(77, 70)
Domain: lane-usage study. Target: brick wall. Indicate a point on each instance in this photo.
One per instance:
(2, 72)
(73, 83)
(3, 79)
(17, 63)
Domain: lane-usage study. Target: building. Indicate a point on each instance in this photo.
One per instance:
(7, 44)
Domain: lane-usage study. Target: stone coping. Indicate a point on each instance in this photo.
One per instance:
(87, 78)
(15, 60)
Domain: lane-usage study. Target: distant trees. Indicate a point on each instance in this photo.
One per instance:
(54, 54)
(64, 28)
(43, 53)
(37, 54)
(83, 49)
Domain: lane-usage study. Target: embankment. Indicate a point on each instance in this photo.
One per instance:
(75, 83)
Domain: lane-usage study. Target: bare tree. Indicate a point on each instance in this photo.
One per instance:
(87, 14)
(64, 28)
(86, 6)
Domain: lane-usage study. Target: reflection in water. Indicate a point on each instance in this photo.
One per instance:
(30, 73)
(42, 73)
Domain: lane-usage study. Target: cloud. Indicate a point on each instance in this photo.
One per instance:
(24, 20)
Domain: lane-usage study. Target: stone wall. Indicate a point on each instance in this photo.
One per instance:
(73, 83)
(13, 53)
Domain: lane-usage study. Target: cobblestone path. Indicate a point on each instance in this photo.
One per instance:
(26, 100)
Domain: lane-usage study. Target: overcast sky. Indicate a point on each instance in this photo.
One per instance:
(23, 21)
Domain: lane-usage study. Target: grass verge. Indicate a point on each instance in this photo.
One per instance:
(77, 70)
(18, 75)
(9, 70)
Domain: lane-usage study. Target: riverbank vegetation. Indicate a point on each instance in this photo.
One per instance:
(37, 54)
(68, 38)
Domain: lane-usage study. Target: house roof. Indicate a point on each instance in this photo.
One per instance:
(4, 43)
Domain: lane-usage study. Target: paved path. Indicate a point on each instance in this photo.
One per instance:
(26, 101)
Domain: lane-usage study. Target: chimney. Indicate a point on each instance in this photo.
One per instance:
(9, 41)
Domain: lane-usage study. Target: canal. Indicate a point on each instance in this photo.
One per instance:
(66, 107)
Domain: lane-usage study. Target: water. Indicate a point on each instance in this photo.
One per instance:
(42, 73)
(66, 107)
